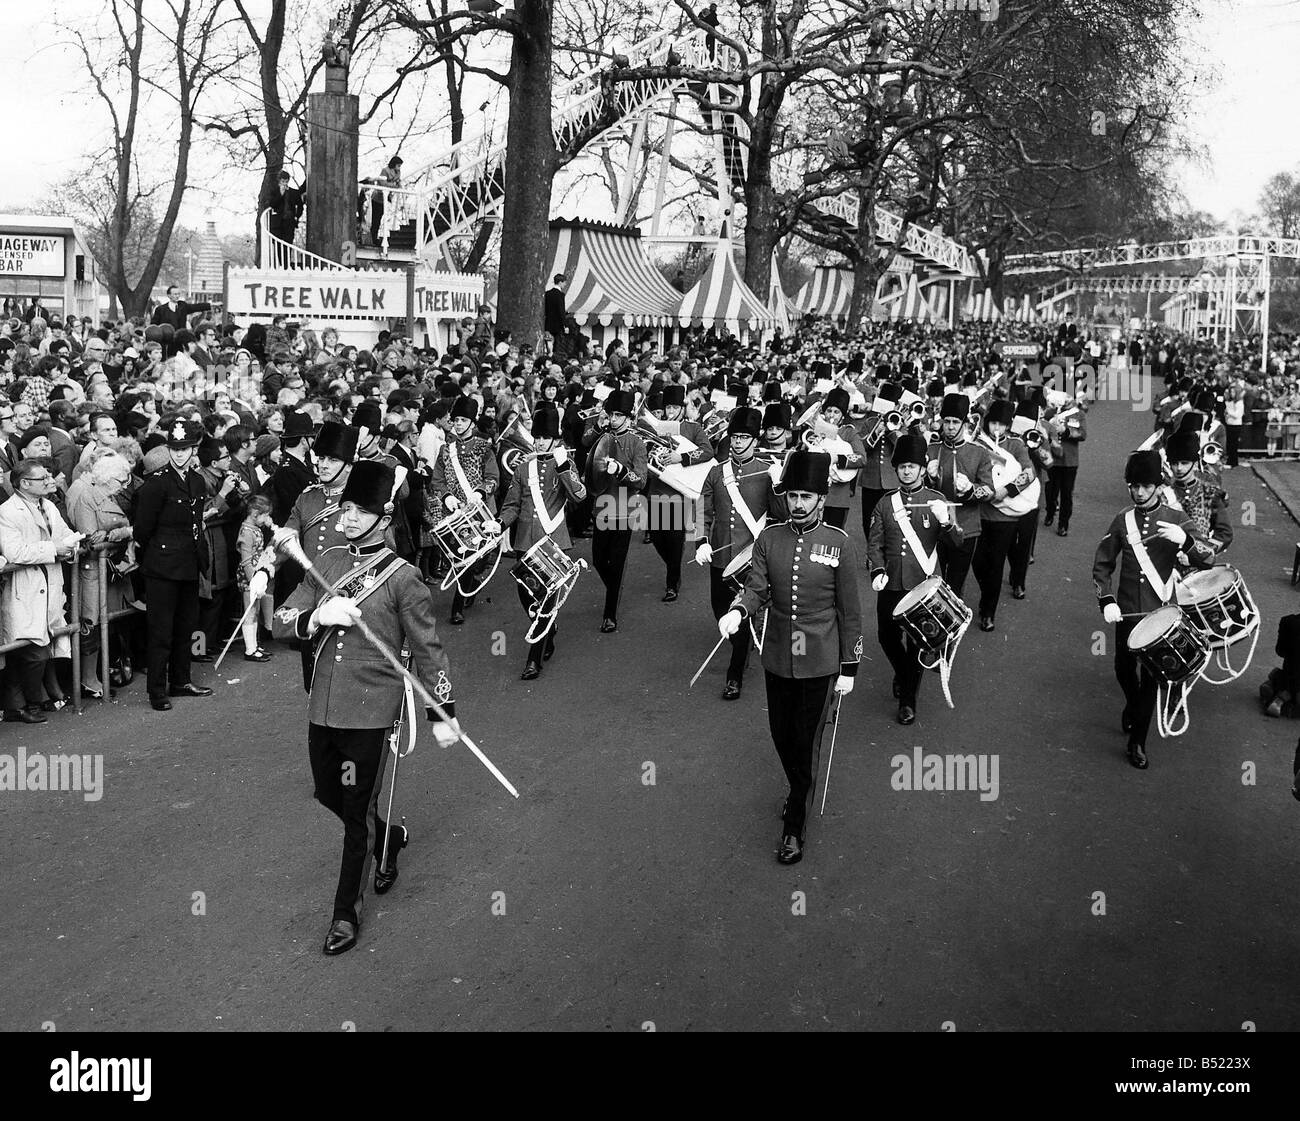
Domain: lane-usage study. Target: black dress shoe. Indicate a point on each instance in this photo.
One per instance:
(202, 659)
(258, 655)
(1017, 593)
(731, 691)
(898, 689)
(1049, 519)
(1125, 720)
(532, 670)
(1137, 756)
(24, 716)
(1062, 532)
(607, 626)
(386, 874)
(906, 714)
(791, 850)
(670, 596)
(646, 539)
(548, 651)
(341, 938)
(160, 704)
(986, 624)
(189, 689)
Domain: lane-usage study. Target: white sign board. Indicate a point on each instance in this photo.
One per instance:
(352, 294)
(31, 255)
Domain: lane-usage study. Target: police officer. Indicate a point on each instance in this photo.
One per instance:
(173, 550)
(356, 696)
(805, 574)
(902, 552)
(1143, 543)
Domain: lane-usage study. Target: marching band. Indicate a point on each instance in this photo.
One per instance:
(952, 483)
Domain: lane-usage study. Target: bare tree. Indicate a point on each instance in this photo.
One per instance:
(132, 61)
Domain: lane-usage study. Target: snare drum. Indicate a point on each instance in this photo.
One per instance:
(1169, 645)
(1219, 605)
(932, 613)
(461, 534)
(544, 570)
(737, 572)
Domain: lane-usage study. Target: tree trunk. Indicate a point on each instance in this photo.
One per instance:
(761, 227)
(867, 263)
(530, 169)
(276, 125)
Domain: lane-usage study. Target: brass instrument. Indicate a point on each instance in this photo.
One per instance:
(715, 428)
(591, 413)
(1034, 438)
(916, 412)
(1211, 454)
(892, 424)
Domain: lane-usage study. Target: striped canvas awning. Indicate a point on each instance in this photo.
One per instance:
(611, 280)
(827, 294)
(720, 296)
(780, 305)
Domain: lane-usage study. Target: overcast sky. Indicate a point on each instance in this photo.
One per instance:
(1246, 120)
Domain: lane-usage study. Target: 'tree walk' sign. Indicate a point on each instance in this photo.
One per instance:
(355, 295)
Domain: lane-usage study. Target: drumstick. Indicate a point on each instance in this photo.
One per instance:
(943, 502)
(708, 660)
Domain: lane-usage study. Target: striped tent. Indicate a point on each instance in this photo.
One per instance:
(721, 297)
(611, 280)
(828, 294)
(781, 306)
(936, 299)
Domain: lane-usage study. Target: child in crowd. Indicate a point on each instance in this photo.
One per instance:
(253, 540)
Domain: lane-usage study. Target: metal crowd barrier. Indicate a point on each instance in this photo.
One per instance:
(74, 628)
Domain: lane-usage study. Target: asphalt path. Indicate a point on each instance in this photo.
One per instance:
(599, 901)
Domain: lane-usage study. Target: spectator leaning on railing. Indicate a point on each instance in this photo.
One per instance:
(34, 538)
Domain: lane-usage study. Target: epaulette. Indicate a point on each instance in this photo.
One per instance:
(835, 528)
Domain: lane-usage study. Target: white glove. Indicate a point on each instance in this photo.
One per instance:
(1171, 532)
(446, 734)
(452, 502)
(69, 544)
(492, 526)
(561, 454)
(258, 583)
(880, 583)
(844, 685)
(774, 473)
(338, 611)
(729, 624)
(940, 510)
(961, 483)
(704, 553)
(932, 468)
(611, 467)
(1111, 613)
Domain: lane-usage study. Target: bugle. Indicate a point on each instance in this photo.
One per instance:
(892, 424)
(1211, 454)
(1034, 438)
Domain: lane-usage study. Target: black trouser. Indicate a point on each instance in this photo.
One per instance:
(1022, 547)
(472, 576)
(990, 561)
(870, 499)
(376, 216)
(796, 710)
(25, 676)
(954, 561)
(835, 515)
(351, 793)
(1234, 441)
(902, 652)
(720, 596)
(1060, 489)
(172, 611)
(1138, 683)
(609, 558)
(536, 649)
(670, 544)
